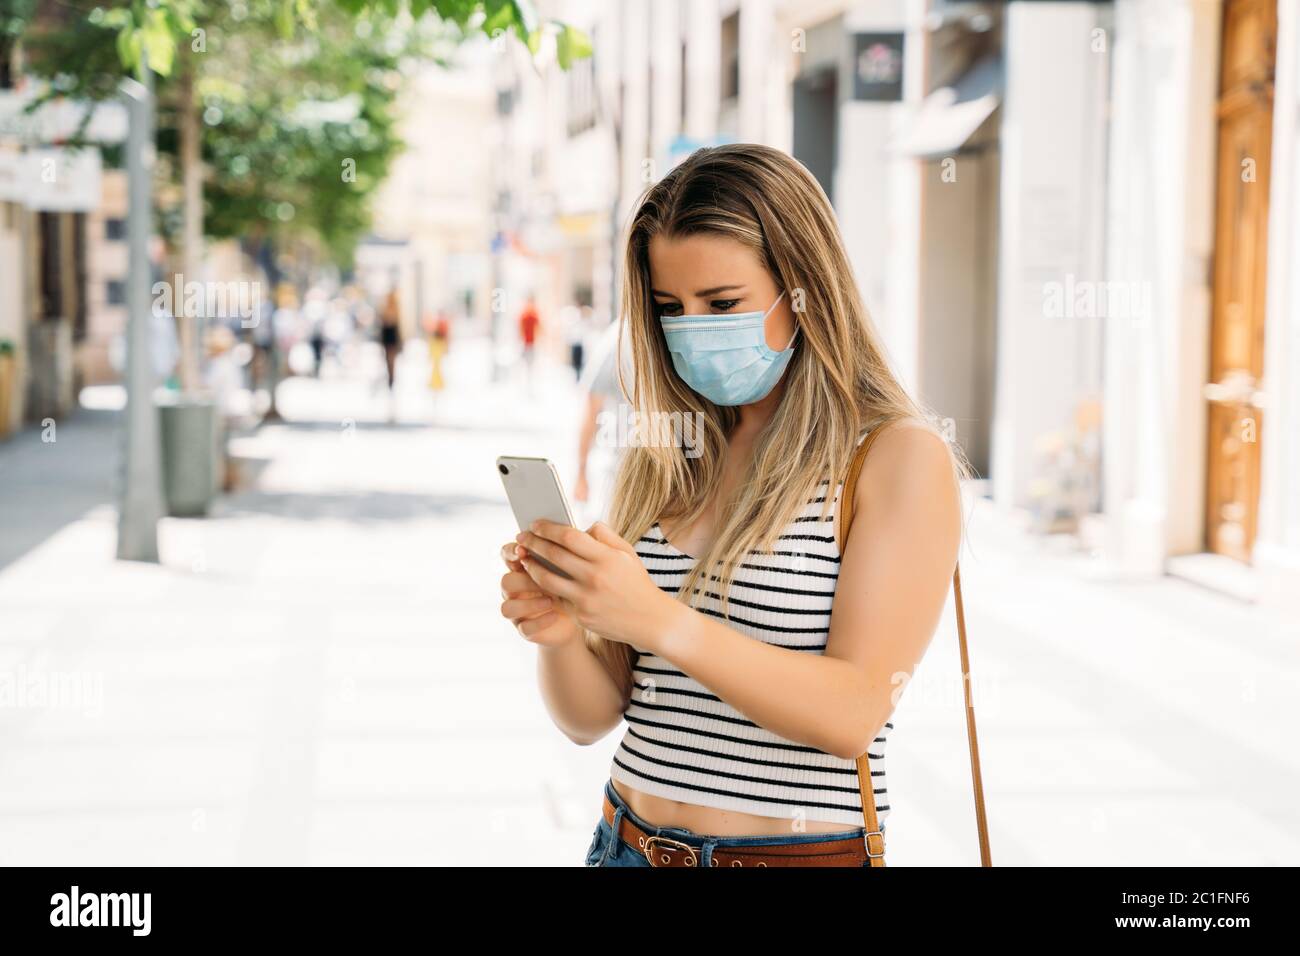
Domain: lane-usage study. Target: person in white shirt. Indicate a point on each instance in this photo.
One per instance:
(598, 460)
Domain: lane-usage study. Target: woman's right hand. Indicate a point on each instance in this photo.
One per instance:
(536, 615)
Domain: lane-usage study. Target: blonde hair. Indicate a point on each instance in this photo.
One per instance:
(837, 384)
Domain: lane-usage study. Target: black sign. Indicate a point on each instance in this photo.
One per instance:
(878, 66)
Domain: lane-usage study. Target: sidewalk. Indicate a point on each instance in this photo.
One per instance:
(79, 457)
(1120, 723)
(318, 673)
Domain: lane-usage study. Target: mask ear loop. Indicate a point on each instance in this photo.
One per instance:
(796, 322)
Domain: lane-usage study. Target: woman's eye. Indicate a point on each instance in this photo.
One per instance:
(724, 305)
(669, 308)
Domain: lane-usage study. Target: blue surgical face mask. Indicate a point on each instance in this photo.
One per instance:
(726, 357)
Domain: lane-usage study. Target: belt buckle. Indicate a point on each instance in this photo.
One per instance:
(866, 837)
(693, 860)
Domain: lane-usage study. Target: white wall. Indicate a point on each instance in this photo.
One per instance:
(636, 101)
(666, 93)
(756, 68)
(1277, 549)
(1161, 232)
(877, 195)
(704, 75)
(1050, 215)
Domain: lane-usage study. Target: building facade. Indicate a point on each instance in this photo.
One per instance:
(60, 252)
(1203, 402)
(1072, 222)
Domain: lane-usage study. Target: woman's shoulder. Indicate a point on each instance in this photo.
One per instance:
(909, 486)
(909, 456)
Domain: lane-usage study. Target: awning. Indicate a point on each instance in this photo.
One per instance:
(950, 115)
(59, 119)
(54, 179)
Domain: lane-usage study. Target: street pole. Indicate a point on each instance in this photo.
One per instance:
(141, 493)
(191, 160)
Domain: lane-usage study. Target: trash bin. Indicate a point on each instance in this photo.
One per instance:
(191, 455)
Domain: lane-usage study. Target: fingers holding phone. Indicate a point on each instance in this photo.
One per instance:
(533, 488)
(511, 551)
(536, 615)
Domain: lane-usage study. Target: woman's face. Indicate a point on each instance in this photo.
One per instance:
(707, 274)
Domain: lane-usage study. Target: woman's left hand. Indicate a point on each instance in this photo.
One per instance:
(611, 592)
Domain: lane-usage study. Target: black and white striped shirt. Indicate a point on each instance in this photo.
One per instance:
(685, 743)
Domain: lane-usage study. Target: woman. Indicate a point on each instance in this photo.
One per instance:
(747, 698)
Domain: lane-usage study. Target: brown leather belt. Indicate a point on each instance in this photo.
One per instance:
(667, 851)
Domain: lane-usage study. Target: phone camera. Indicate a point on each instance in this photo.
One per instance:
(503, 469)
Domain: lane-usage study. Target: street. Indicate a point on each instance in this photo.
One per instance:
(318, 673)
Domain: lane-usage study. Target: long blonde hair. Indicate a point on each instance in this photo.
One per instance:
(838, 383)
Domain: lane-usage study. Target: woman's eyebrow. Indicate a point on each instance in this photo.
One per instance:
(702, 293)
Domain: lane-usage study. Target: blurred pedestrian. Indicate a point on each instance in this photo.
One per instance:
(529, 325)
(604, 404)
(390, 335)
(317, 341)
(439, 344)
(576, 330)
(260, 333)
(224, 378)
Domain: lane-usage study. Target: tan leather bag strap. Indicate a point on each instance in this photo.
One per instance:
(875, 839)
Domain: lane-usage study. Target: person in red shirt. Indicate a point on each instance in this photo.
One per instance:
(529, 324)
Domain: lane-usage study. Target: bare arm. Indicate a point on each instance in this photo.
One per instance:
(586, 438)
(581, 696)
(893, 582)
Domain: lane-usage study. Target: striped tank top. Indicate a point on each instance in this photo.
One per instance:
(685, 743)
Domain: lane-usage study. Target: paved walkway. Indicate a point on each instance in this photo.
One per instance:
(317, 673)
(50, 477)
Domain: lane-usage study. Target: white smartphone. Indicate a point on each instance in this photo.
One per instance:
(535, 491)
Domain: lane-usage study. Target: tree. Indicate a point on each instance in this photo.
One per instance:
(279, 111)
(259, 128)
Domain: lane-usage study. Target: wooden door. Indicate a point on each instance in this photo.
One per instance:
(1234, 392)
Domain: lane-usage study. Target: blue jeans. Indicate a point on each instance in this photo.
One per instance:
(606, 851)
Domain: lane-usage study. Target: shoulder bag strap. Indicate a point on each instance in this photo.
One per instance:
(876, 849)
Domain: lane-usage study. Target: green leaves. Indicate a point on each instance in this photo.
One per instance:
(129, 47)
(571, 44)
(274, 152)
(148, 31)
(153, 30)
(301, 135)
(158, 41)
